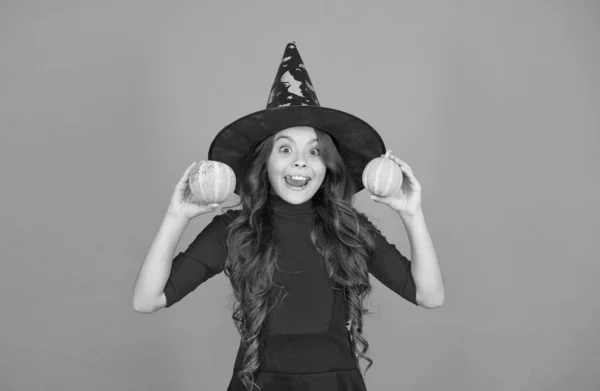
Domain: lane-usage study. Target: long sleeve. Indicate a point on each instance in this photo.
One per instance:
(204, 258)
(392, 269)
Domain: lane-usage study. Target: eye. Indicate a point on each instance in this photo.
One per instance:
(316, 149)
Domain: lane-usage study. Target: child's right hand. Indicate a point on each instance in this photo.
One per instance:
(181, 201)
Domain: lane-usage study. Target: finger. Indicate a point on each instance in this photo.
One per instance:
(397, 160)
(411, 178)
(406, 170)
(186, 173)
(211, 207)
(182, 183)
(401, 163)
(190, 167)
(187, 194)
(376, 198)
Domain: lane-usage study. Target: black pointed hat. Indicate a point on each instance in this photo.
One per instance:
(293, 102)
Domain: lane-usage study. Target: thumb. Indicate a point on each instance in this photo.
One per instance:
(376, 198)
(208, 208)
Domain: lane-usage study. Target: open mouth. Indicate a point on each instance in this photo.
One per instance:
(297, 182)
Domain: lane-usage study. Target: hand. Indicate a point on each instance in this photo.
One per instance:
(407, 200)
(182, 202)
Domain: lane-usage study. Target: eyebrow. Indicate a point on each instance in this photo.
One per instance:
(309, 141)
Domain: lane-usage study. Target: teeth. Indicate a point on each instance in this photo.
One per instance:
(298, 178)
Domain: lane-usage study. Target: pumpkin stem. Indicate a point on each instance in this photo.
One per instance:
(387, 154)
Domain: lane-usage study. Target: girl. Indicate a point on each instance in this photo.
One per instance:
(298, 255)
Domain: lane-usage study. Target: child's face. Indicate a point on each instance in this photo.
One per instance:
(296, 152)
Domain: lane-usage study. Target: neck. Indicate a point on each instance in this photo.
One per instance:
(282, 207)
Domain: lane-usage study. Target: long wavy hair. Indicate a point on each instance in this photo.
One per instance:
(343, 236)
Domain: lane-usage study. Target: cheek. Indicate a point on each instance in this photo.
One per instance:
(321, 172)
(273, 170)
(274, 167)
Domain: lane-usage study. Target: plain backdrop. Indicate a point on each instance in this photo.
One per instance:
(494, 104)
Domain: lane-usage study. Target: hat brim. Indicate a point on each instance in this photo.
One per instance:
(358, 142)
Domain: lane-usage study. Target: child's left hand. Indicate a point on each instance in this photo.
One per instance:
(407, 201)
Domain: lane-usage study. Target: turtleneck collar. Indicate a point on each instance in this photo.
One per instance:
(284, 208)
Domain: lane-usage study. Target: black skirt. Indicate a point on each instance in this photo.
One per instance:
(304, 362)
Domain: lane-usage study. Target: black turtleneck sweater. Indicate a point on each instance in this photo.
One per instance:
(308, 304)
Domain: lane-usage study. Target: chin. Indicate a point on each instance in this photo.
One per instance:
(296, 198)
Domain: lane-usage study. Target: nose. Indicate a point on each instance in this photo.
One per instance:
(301, 164)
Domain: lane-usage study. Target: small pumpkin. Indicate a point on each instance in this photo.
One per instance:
(382, 176)
(211, 182)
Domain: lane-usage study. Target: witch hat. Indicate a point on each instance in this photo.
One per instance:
(293, 102)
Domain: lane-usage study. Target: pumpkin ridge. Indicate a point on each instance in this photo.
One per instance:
(217, 171)
(377, 174)
(202, 173)
(390, 173)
